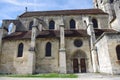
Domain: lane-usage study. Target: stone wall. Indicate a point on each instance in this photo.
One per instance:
(72, 50)
(51, 64)
(79, 19)
(47, 64)
(113, 41)
(103, 56)
(115, 24)
(10, 63)
(107, 56)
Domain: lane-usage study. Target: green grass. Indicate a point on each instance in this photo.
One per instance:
(51, 75)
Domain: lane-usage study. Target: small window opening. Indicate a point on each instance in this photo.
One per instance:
(51, 24)
(72, 24)
(48, 49)
(20, 50)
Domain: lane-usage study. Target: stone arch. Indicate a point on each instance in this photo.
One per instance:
(6, 24)
(79, 54)
(17, 25)
(11, 28)
(43, 23)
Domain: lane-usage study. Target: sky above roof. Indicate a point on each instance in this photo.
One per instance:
(10, 9)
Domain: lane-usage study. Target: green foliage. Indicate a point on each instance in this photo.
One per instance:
(51, 75)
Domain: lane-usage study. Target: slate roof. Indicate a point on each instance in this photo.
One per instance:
(62, 12)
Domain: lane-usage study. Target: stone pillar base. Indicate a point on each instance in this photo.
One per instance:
(95, 61)
(31, 62)
(62, 61)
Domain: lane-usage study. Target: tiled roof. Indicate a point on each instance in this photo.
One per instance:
(99, 32)
(62, 12)
(76, 33)
(55, 34)
(68, 33)
(47, 34)
(19, 35)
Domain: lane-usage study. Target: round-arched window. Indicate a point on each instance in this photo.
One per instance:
(78, 43)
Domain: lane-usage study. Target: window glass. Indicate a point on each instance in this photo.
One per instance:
(51, 24)
(48, 49)
(72, 24)
(20, 50)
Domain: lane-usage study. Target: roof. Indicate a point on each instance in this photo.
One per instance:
(19, 35)
(99, 32)
(103, 32)
(62, 12)
(46, 34)
(55, 34)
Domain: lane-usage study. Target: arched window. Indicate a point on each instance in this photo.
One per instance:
(48, 49)
(30, 25)
(95, 23)
(118, 52)
(20, 50)
(72, 24)
(51, 24)
(111, 1)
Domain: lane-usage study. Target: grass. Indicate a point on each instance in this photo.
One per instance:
(51, 75)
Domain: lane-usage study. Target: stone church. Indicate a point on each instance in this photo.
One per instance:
(63, 41)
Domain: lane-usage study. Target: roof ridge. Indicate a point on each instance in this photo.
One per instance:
(63, 12)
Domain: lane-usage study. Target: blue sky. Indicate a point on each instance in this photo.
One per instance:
(10, 9)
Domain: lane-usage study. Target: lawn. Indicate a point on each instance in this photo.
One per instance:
(51, 75)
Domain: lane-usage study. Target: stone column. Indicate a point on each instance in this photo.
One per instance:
(31, 57)
(62, 53)
(90, 31)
